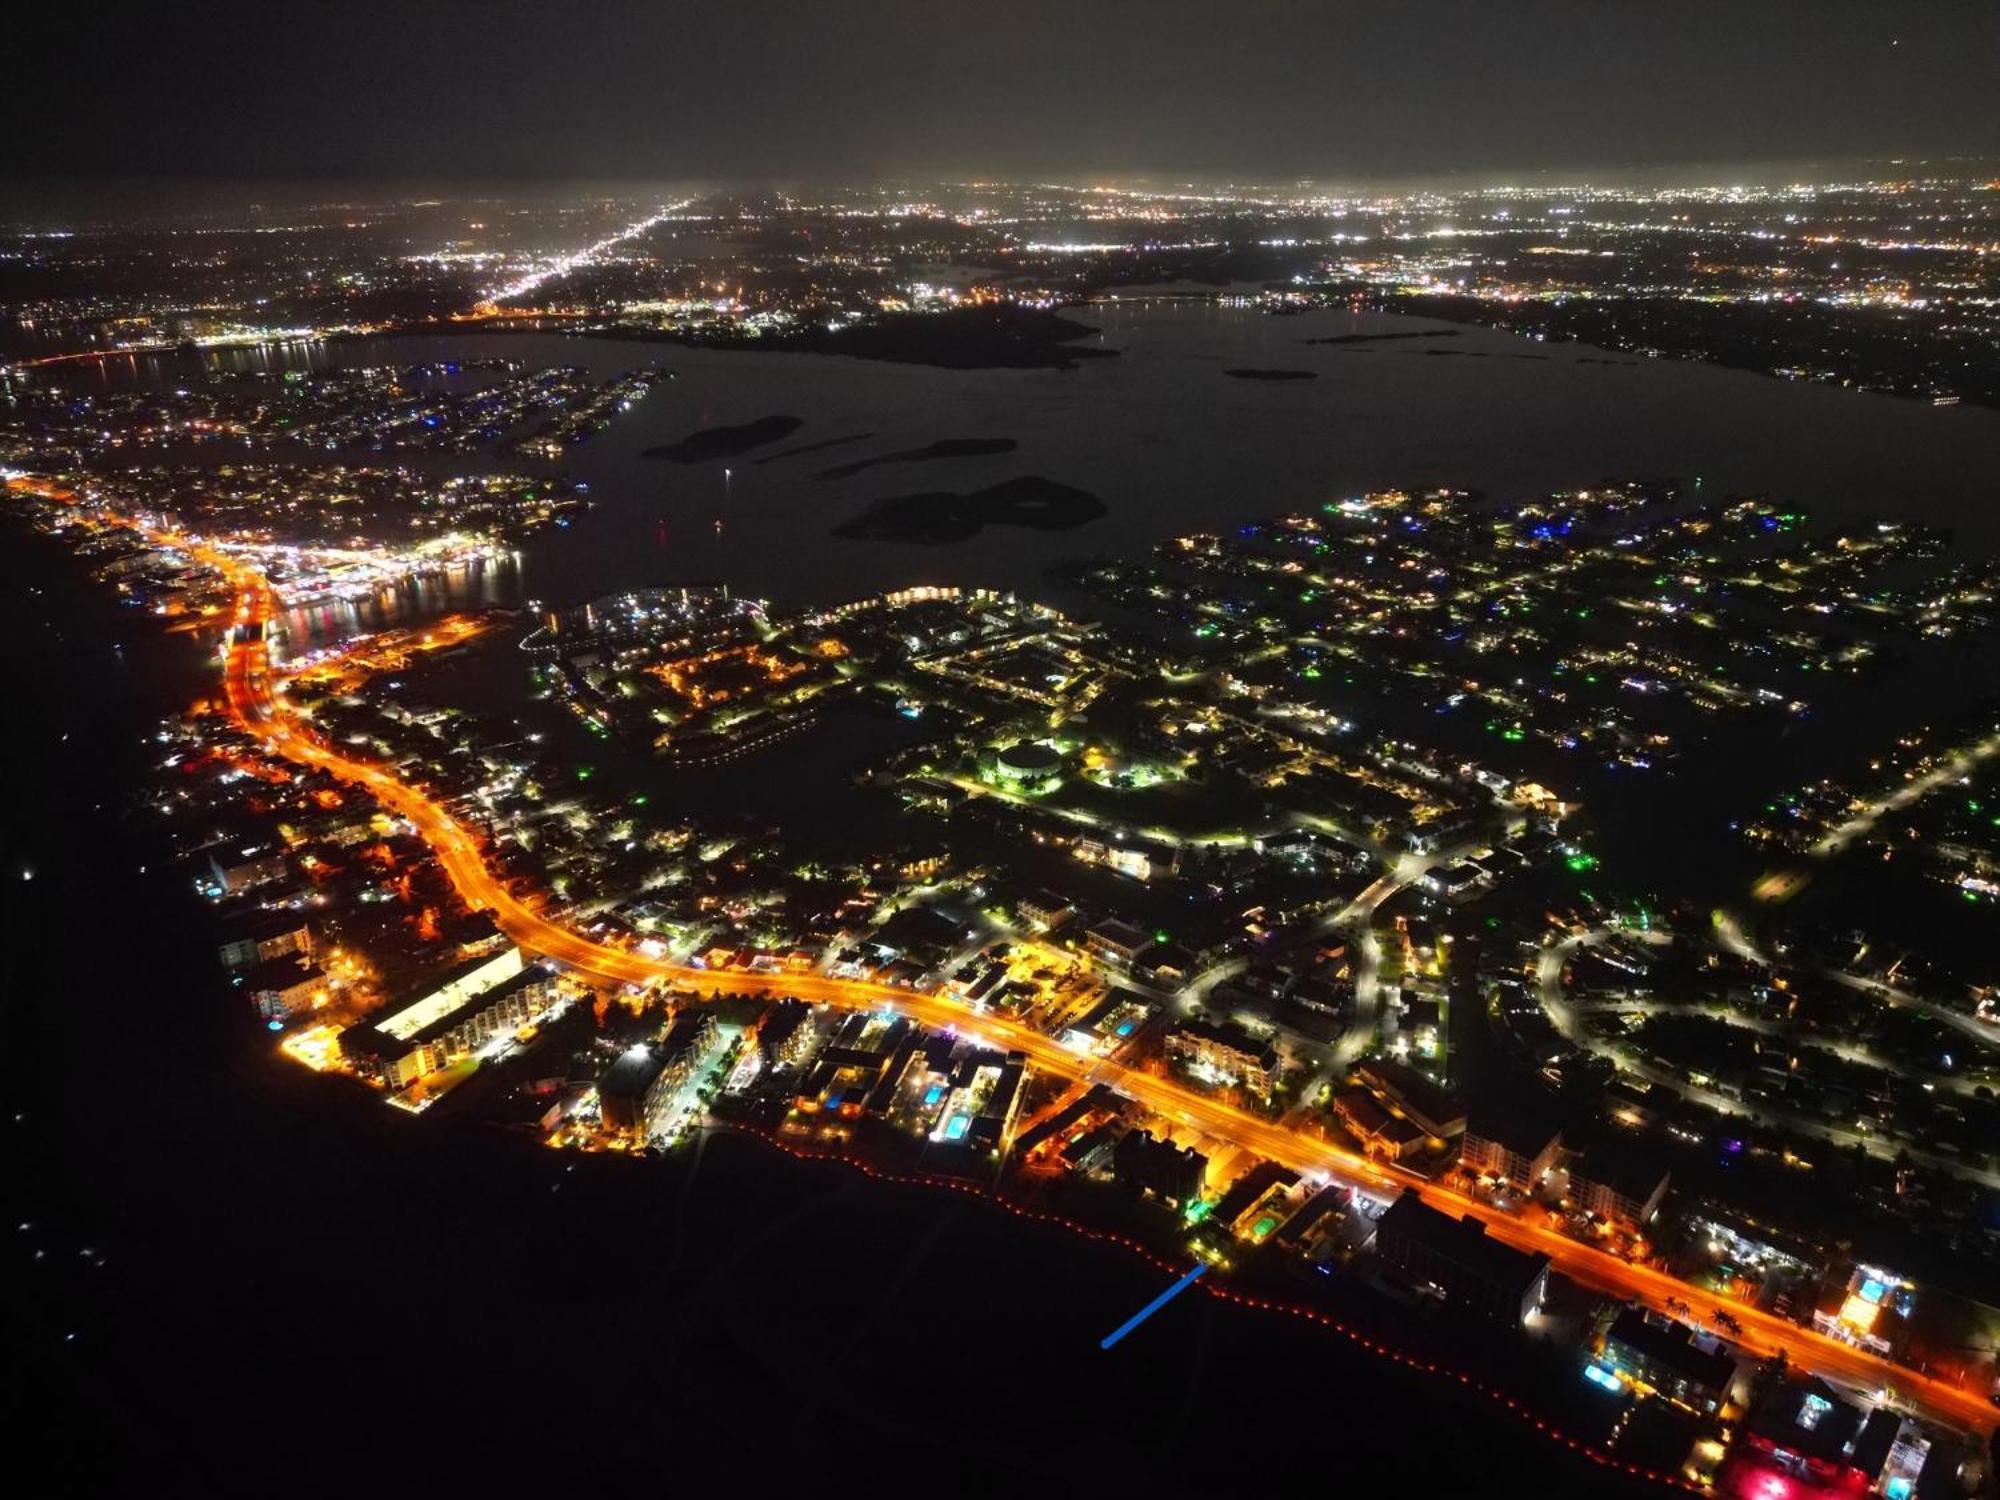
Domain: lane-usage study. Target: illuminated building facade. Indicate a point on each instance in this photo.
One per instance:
(284, 987)
(1662, 1357)
(637, 1093)
(1619, 1190)
(265, 936)
(1225, 1052)
(1509, 1151)
(420, 1036)
(1872, 1312)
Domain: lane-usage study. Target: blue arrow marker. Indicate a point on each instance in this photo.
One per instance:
(1152, 1307)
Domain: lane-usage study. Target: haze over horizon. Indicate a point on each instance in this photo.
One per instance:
(1266, 91)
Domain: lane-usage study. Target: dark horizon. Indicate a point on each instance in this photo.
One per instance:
(1267, 92)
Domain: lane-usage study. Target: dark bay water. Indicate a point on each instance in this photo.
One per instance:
(1170, 442)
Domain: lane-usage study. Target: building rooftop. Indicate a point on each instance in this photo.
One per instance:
(1634, 1177)
(1671, 1348)
(259, 924)
(1463, 1242)
(1224, 1034)
(1426, 1102)
(281, 973)
(1123, 934)
(528, 978)
(688, 1032)
(1522, 1136)
(1031, 757)
(441, 995)
(633, 1073)
(917, 927)
(1808, 1418)
(781, 1025)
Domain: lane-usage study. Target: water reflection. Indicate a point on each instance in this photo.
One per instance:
(466, 586)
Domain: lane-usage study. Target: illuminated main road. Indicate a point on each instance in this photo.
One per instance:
(1953, 767)
(250, 684)
(1782, 885)
(575, 260)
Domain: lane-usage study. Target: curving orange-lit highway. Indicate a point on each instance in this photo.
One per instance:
(251, 682)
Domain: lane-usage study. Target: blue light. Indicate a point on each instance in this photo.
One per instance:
(1154, 1306)
(1599, 1376)
(274, 1025)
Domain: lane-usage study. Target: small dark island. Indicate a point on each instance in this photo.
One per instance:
(946, 516)
(1241, 374)
(819, 447)
(942, 448)
(725, 442)
(1384, 338)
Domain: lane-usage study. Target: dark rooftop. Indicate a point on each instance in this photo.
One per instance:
(1463, 1242)
(1672, 1349)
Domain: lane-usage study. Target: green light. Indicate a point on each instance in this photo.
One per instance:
(1581, 862)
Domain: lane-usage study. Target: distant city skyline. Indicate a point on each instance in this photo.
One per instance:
(1334, 92)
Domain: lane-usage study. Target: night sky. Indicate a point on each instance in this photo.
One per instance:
(595, 89)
